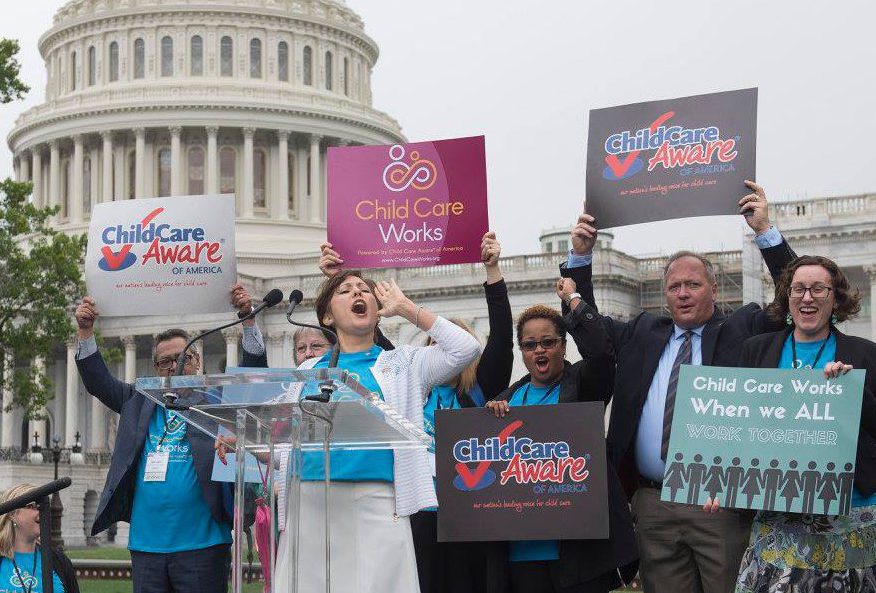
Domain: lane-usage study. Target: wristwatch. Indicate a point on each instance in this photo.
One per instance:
(574, 295)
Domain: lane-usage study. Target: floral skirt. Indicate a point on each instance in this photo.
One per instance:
(791, 553)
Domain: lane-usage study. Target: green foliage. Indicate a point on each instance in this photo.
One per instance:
(41, 279)
(11, 87)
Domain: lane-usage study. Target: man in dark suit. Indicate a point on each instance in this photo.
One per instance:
(159, 477)
(680, 547)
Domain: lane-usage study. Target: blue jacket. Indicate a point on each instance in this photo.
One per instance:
(135, 411)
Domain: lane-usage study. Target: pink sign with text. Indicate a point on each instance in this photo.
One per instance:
(408, 205)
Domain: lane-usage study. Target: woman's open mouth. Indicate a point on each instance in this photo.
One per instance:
(359, 307)
(807, 312)
(542, 363)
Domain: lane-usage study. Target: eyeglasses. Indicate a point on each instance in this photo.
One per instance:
(165, 364)
(34, 506)
(546, 343)
(302, 348)
(816, 291)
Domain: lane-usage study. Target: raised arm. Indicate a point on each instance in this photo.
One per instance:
(454, 347)
(96, 377)
(497, 360)
(775, 250)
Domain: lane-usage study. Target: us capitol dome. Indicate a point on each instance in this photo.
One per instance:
(148, 98)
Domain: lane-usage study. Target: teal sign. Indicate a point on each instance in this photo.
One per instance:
(770, 439)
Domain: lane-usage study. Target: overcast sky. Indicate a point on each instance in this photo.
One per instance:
(525, 74)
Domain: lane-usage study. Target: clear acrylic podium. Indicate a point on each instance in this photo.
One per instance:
(273, 415)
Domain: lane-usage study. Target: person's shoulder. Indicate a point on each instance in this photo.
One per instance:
(858, 343)
(762, 340)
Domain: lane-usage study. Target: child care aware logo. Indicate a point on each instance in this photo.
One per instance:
(399, 175)
(528, 461)
(675, 146)
(167, 244)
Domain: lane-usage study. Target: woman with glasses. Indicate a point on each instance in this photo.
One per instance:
(802, 553)
(20, 557)
(567, 566)
(373, 492)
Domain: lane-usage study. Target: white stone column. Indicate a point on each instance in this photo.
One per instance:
(175, 154)
(281, 204)
(98, 425)
(23, 167)
(130, 358)
(54, 174)
(140, 169)
(71, 415)
(94, 197)
(248, 178)
(106, 186)
(7, 437)
(871, 275)
(316, 198)
(232, 337)
(212, 164)
(37, 174)
(16, 169)
(302, 199)
(75, 193)
(120, 190)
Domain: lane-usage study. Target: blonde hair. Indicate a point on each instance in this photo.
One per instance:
(465, 381)
(7, 529)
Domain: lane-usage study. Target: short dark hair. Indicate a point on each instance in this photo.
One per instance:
(168, 334)
(330, 285)
(847, 303)
(542, 312)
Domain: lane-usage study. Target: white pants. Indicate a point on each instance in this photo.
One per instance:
(372, 551)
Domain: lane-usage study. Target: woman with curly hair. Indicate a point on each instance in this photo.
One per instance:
(802, 553)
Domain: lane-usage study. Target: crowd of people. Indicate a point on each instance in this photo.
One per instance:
(383, 502)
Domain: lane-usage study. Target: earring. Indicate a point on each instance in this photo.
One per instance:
(789, 320)
(833, 318)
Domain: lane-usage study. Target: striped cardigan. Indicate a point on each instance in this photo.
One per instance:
(406, 375)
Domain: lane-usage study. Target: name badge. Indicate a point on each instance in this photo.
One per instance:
(156, 466)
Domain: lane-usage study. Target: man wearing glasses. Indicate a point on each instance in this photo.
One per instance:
(680, 547)
(159, 477)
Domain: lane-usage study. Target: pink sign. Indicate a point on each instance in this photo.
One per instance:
(407, 205)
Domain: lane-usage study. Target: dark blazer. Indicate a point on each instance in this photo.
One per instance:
(765, 351)
(135, 411)
(587, 380)
(639, 343)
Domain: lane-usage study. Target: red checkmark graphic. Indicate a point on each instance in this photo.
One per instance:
(471, 479)
(619, 167)
(114, 260)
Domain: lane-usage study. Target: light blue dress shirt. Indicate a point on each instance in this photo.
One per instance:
(650, 435)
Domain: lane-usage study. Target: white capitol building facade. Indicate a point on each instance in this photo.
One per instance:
(152, 98)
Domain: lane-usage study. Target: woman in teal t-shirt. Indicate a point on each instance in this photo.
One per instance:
(20, 557)
(809, 553)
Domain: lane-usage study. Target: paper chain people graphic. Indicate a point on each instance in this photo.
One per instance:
(729, 483)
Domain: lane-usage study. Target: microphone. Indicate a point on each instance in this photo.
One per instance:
(327, 387)
(269, 300)
(295, 298)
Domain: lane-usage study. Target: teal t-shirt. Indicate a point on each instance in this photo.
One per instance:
(442, 397)
(534, 550)
(352, 466)
(28, 577)
(171, 515)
